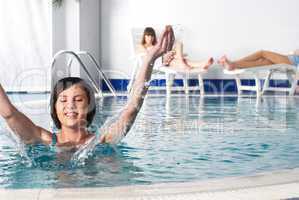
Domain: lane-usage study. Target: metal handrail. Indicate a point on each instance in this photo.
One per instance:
(59, 53)
(110, 86)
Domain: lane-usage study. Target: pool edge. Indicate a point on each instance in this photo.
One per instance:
(281, 184)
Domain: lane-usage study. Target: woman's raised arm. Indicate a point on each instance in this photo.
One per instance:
(114, 132)
(19, 123)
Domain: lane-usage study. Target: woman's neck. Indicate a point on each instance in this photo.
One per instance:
(72, 135)
(148, 46)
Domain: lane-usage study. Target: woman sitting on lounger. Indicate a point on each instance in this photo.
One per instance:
(175, 58)
(260, 58)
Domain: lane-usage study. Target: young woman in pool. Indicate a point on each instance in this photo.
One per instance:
(73, 107)
(175, 58)
(260, 58)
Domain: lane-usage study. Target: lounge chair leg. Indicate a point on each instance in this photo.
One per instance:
(185, 84)
(258, 87)
(294, 84)
(238, 81)
(169, 83)
(201, 85)
(267, 82)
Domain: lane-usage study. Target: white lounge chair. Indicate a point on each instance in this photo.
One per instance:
(266, 73)
(159, 69)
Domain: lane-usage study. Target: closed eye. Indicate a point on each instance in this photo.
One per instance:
(62, 100)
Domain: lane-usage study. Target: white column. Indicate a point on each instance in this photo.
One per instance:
(76, 27)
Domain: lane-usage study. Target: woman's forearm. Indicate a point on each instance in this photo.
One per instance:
(141, 84)
(7, 109)
(115, 131)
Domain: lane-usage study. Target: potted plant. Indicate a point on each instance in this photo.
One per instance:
(57, 2)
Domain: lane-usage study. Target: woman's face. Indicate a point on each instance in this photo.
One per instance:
(72, 107)
(149, 39)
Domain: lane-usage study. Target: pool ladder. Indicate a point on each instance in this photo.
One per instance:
(77, 55)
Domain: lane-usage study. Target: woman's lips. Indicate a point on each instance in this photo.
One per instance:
(71, 114)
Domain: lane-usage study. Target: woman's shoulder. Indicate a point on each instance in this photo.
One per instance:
(46, 136)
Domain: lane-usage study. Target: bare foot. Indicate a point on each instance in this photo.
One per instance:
(209, 62)
(229, 65)
(221, 60)
(179, 65)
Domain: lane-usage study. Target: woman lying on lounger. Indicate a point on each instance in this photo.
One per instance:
(73, 108)
(175, 58)
(260, 58)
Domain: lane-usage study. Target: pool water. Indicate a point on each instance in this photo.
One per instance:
(176, 139)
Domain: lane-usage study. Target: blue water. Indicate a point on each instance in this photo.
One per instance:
(177, 139)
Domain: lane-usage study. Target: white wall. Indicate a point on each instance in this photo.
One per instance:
(211, 27)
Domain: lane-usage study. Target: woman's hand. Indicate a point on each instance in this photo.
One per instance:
(111, 138)
(168, 57)
(164, 43)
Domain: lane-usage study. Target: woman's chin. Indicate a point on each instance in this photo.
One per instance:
(73, 125)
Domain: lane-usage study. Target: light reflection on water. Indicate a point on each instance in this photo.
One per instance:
(182, 138)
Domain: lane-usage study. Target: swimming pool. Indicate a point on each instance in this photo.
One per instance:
(176, 139)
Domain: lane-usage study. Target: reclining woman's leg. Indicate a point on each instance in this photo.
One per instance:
(273, 57)
(178, 48)
(178, 62)
(259, 58)
(185, 64)
(200, 64)
(254, 63)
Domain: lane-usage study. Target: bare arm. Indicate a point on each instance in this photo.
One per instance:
(114, 132)
(19, 123)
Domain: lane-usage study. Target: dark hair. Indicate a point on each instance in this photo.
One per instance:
(149, 31)
(66, 83)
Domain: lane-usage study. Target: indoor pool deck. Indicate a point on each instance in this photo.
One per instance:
(282, 184)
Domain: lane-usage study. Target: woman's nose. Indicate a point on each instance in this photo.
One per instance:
(71, 104)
